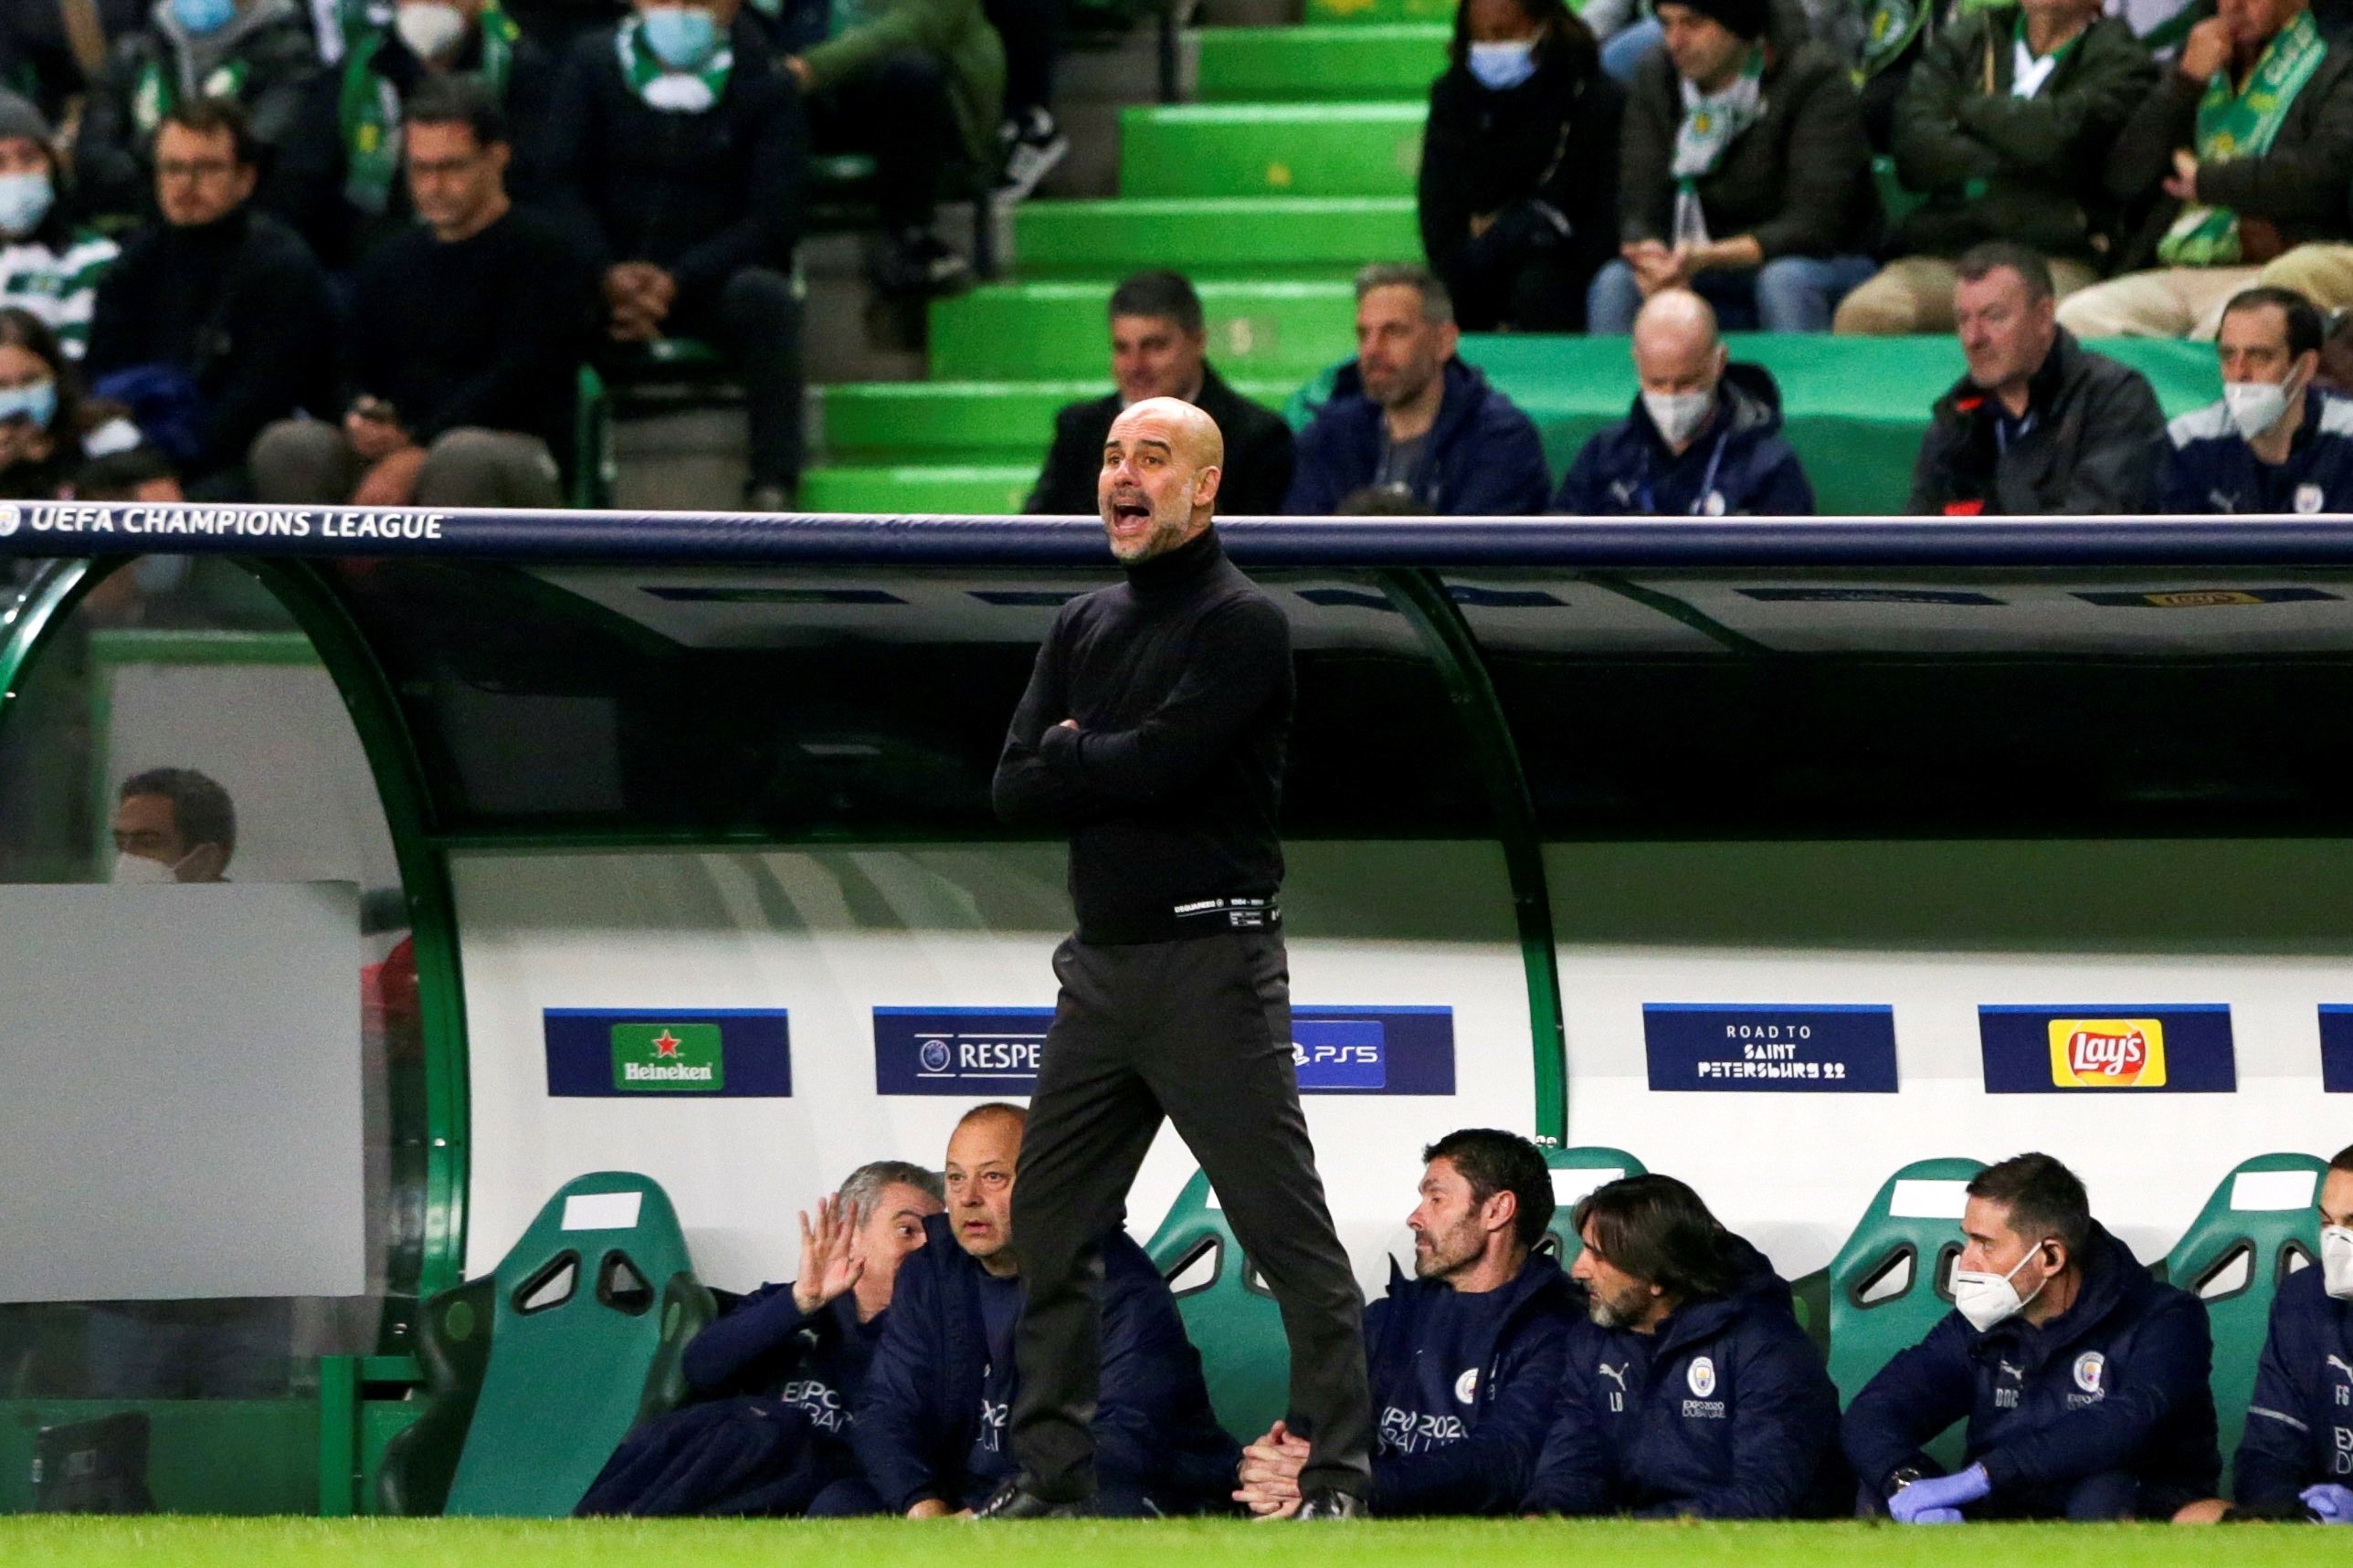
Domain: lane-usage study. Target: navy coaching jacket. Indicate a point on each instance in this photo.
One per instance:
(1740, 464)
(1477, 1455)
(2300, 1421)
(2115, 1383)
(2209, 469)
(1483, 458)
(920, 1412)
(1725, 1412)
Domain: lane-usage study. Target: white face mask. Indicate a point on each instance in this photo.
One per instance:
(1986, 1298)
(2254, 406)
(1678, 415)
(432, 30)
(138, 871)
(1501, 66)
(2336, 1261)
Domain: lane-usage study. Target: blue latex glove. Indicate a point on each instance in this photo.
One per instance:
(1939, 1495)
(2330, 1503)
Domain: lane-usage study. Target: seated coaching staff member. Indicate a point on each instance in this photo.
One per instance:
(1690, 1389)
(1154, 730)
(2083, 1380)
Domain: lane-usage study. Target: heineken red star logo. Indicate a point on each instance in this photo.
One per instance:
(666, 1044)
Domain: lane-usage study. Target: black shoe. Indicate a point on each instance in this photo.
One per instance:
(1332, 1504)
(1011, 1500)
(920, 263)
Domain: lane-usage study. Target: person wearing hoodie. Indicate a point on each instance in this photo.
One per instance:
(1689, 1389)
(1409, 417)
(1519, 166)
(929, 1427)
(263, 54)
(50, 264)
(1465, 1356)
(2083, 1379)
(775, 1376)
(1703, 439)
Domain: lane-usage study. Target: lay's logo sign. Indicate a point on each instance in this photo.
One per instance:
(2107, 1053)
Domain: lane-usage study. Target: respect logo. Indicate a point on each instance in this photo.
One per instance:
(668, 1058)
(2107, 1053)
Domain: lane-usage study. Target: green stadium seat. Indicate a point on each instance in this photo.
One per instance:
(976, 489)
(1229, 1313)
(1271, 149)
(1254, 236)
(1271, 331)
(962, 422)
(1576, 1172)
(1889, 1284)
(593, 468)
(1351, 62)
(534, 1374)
(2259, 1228)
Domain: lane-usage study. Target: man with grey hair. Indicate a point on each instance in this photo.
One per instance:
(775, 1376)
(1408, 418)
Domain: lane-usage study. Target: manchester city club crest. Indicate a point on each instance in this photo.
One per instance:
(2090, 1368)
(1466, 1387)
(1701, 1377)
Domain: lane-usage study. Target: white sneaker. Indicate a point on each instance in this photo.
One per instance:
(1032, 151)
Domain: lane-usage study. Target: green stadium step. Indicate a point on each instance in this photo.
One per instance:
(1251, 236)
(1271, 149)
(985, 489)
(1056, 331)
(965, 422)
(1381, 12)
(1347, 62)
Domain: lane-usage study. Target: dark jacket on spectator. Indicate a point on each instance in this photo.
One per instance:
(957, 31)
(700, 195)
(37, 60)
(1541, 159)
(920, 1414)
(1738, 464)
(1799, 179)
(1481, 458)
(2212, 468)
(240, 306)
(2024, 169)
(487, 333)
(770, 1425)
(1477, 1453)
(1725, 1412)
(2300, 1423)
(2094, 446)
(1258, 454)
(2115, 1384)
(266, 58)
(2295, 191)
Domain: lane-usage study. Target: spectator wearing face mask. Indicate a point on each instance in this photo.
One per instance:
(1519, 167)
(2083, 1379)
(41, 431)
(2276, 442)
(262, 54)
(49, 266)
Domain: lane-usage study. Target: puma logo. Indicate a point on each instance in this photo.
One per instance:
(1617, 1374)
(1623, 494)
(2341, 1365)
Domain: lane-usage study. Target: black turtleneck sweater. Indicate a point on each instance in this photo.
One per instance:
(1180, 680)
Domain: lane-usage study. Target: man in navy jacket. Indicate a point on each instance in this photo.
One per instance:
(930, 1426)
(1704, 437)
(1464, 1356)
(1409, 420)
(2083, 1380)
(1690, 1389)
(775, 1376)
(2276, 442)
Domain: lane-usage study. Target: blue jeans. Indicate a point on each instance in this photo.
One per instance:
(1790, 294)
(1626, 48)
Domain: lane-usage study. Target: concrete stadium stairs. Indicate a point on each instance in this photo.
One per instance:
(1294, 167)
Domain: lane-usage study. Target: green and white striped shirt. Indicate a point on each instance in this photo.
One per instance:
(60, 288)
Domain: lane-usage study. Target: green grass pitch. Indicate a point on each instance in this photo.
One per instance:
(28, 1541)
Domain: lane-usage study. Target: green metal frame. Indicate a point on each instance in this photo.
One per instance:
(1447, 637)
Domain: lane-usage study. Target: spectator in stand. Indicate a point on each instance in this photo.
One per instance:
(262, 54)
(1519, 167)
(1158, 342)
(464, 348)
(42, 51)
(217, 320)
(2039, 424)
(1896, 36)
(2276, 442)
(679, 159)
(426, 41)
(49, 264)
(919, 85)
(1743, 175)
(2006, 125)
(40, 420)
(1704, 437)
(1408, 416)
(1031, 140)
(2237, 160)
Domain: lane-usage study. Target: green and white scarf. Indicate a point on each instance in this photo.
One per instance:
(157, 92)
(2240, 124)
(1710, 123)
(1892, 26)
(2028, 70)
(672, 92)
(371, 109)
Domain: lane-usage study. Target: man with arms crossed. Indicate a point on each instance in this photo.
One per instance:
(1154, 730)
